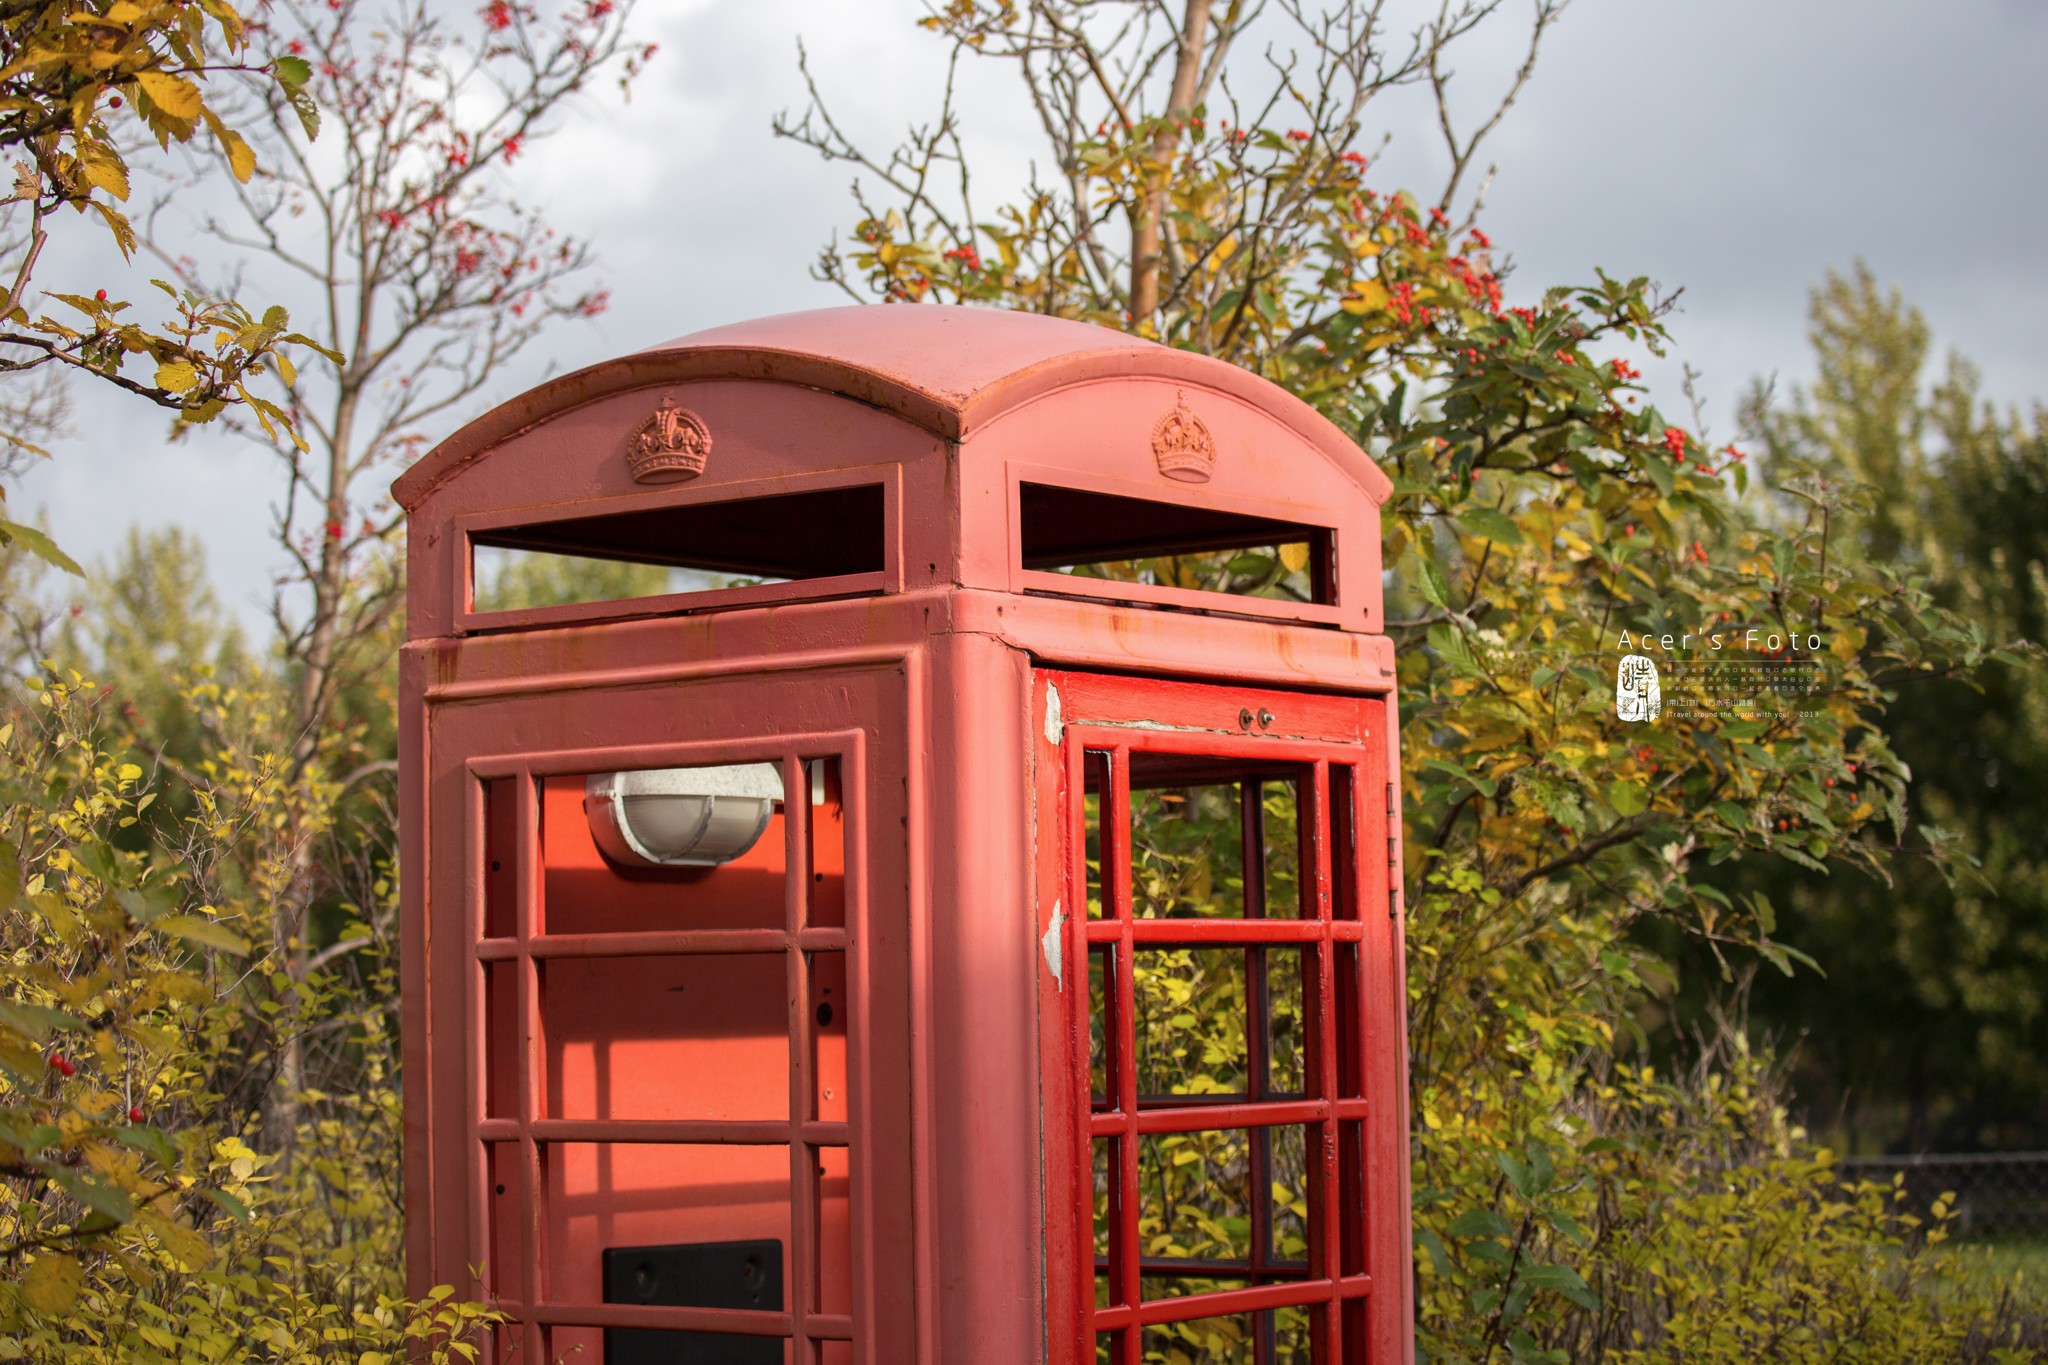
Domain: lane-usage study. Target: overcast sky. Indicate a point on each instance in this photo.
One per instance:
(1737, 148)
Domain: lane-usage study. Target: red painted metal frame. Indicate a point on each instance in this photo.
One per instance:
(968, 1139)
(1348, 910)
(460, 1097)
(536, 1310)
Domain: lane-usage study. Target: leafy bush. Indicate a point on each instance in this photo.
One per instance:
(141, 1015)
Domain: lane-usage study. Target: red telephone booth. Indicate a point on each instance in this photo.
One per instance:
(901, 858)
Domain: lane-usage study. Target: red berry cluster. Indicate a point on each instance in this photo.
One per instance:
(1482, 285)
(1401, 303)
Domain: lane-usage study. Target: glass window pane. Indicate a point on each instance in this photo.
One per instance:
(1286, 1159)
(1195, 1197)
(678, 1038)
(1233, 1340)
(610, 1195)
(1286, 1033)
(501, 854)
(828, 845)
(1187, 852)
(1190, 1021)
(603, 835)
(1280, 811)
(1204, 1196)
(1095, 778)
(1203, 1341)
(835, 1230)
(1103, 1168)
(830, 1014)
(1101, 1026)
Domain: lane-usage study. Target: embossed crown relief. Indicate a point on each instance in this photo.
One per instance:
(670, 446)
(1182, 445)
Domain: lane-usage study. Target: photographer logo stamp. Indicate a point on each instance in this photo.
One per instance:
(1637, 696)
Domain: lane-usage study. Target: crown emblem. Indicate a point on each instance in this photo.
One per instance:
(670, 446)
(1182, 445)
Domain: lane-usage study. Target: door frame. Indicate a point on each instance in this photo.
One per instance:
(1351, 844)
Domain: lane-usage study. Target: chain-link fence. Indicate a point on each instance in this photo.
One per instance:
(1998, 1196)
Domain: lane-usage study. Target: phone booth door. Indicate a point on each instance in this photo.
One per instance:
(662, 912)
(1225, 1041)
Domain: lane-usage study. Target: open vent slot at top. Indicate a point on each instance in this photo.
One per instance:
(1105, 536)
(697, 547)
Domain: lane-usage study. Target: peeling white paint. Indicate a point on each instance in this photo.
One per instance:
(1054, 726)
(1162, 725)
(1053, 945)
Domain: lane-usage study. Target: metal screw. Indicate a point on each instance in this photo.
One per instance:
(1265, 718)
(1244, 719)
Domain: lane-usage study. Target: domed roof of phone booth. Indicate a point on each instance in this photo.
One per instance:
(948, 369)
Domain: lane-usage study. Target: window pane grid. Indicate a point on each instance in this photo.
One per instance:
(1120, 1115)
(527, 1133)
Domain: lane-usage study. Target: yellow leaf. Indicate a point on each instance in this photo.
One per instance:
(176, 376)
(102, 168)
(1366, 296)
(241, 160)
(52, 1283)
(1295, 556)
(174, 95)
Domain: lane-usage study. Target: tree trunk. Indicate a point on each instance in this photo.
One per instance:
(1147, 229)
(312, 710)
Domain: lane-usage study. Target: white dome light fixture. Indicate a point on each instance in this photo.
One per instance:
(681, 817)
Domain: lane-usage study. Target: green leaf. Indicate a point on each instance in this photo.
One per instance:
(234, 1207)
(204, 932)
(1479, 1223)
(291, 72)
(308, 112)
(1432, 584)
(1561, 1279)
(95, 1194)
(1488, 524)
(148, 904)
(41, 546)
(38, 1022)
(1628, 798)
(1439, 1255)
(1660, 473)
(1449, 643)
(150, 1142)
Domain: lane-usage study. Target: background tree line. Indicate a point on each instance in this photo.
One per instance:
(198, 1083)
